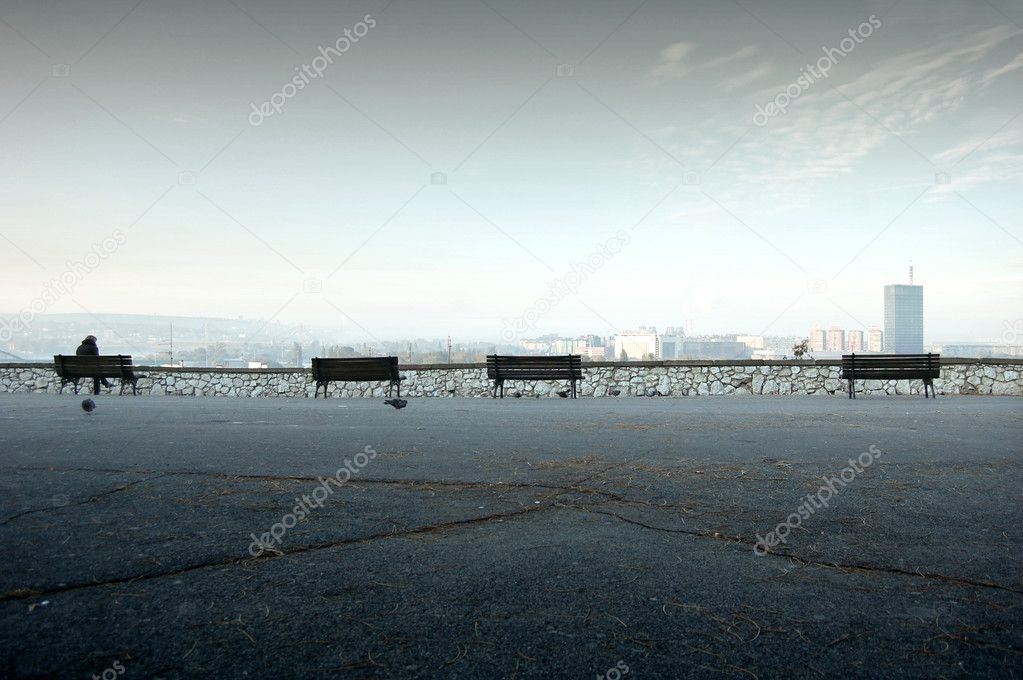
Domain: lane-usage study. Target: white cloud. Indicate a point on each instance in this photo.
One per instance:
(748, 78)
(1013, 65)
(743, 53)
(825, 135)
(672, 63)
(675, 63)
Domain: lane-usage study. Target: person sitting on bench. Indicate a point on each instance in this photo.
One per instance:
(90, 348)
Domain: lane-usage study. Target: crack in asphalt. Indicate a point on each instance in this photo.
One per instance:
(841, 566)
(23, 593)
(298, 478)
(575, 487)
(91, 499)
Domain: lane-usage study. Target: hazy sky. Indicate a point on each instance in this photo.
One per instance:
(556, 127)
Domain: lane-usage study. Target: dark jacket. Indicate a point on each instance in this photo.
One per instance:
(88, 347)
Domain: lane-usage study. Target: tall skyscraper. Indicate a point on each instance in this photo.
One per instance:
(904, 317)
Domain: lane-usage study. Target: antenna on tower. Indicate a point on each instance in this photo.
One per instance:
(911, 275)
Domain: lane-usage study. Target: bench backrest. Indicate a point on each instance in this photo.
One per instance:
(369, 369)
(92, 366)
(508, 367)
(891, 365)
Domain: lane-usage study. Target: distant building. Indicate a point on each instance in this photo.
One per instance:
(818, 340)
(671, 342)
(714, 349)
(637, 345)
(875, 339)
(567, 346)
(536, 346)
(774, 347)
(754, 342)
(854, 341)
(594, 353)
(904, 319)
(980, 351)
(836, 339)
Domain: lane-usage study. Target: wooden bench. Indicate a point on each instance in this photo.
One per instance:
(361, 369)
(891, 367)
(503, 367)
(71, 369)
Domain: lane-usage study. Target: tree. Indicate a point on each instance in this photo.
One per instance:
(217, 353)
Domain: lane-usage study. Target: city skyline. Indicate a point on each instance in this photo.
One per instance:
(206, 341)
(600, 167)
(876, 337)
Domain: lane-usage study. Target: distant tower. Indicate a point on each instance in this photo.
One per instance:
(904, 317)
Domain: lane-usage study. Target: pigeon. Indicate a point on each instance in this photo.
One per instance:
(88, 405)
(396, 403)
(563, 394)
(615, 393)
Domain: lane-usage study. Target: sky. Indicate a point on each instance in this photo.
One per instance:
(495, 169)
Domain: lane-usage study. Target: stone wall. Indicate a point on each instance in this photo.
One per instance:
(649, 378)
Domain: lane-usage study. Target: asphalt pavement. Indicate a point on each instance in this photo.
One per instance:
(747, 537)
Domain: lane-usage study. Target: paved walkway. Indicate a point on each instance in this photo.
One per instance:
(515, 538)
